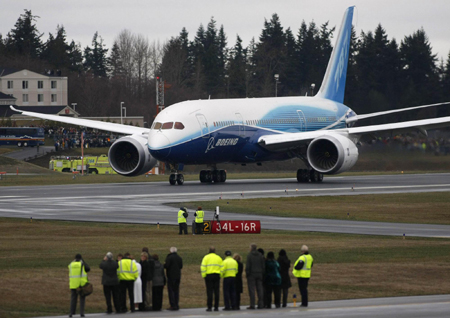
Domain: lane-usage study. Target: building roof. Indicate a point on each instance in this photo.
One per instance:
(7, 70)
(4, 71)
(6, 96)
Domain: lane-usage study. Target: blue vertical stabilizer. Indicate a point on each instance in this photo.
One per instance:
(333, 85)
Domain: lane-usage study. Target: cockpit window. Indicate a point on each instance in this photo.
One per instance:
(157, 126)
(168, 125)
(179, 125)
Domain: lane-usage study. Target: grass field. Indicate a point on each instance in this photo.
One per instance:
(431, 208)
(35, 257)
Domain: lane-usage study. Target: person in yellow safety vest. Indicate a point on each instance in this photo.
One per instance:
(302, 270)
(199, 215)
(77, 277)
(228, 273)
(211, 268)
(127, 274)
(182, 225)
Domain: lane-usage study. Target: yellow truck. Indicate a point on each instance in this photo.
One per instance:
(91, 164)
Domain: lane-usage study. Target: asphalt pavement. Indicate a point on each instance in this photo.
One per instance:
(435, 306)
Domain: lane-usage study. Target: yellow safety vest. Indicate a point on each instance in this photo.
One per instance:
(126, 270)
(230, 267)
(211, 264)
(181, 218)
(305, 271)
(77, 275)
(199, 216)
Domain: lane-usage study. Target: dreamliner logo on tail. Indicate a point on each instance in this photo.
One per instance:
(342, 60)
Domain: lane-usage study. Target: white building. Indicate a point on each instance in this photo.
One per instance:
(34, 89)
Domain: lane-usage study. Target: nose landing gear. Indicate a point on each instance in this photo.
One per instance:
(176, 178)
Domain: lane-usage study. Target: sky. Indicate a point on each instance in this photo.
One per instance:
(160, 20)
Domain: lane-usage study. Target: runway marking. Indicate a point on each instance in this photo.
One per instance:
(290, 192)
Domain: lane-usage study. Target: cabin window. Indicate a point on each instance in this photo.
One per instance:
(179, 126)
(168, 125)
(157, 126)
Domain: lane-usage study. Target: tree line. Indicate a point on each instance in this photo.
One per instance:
(382, 73)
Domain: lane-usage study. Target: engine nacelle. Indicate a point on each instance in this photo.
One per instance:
(332, 154)
(130, 157)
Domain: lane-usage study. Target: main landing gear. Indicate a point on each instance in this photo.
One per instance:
(176, 178)
(208, 176)
(305, 175)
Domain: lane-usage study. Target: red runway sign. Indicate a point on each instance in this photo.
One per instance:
(232, 227)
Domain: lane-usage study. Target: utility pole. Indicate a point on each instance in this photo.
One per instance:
(159, 95)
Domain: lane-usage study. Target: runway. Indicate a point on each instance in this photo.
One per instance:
(145, 202)
(436, 306)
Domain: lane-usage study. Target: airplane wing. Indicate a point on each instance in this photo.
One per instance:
(365, 116)
(282, 142)
(117, 128)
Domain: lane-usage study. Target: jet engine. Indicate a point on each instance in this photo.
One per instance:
(130, 157)
(332, 154)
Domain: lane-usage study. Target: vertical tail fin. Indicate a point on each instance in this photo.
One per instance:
(333, 85)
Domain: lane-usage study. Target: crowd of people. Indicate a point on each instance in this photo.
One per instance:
(67, 138)
(142, 281)
(438, 145)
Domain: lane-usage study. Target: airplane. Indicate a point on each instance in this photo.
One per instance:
(317, 129)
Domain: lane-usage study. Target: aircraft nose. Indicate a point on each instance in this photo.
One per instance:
(159, 145)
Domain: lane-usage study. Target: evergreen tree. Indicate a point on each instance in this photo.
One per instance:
(115, 65)
(213, 59)
(419, 71)
(56, 49)
(95, 59)
(75, 57)
(236, 81)
(291, 69)
(25, 39)
(198, 50)
(270, 55)
(251, 80)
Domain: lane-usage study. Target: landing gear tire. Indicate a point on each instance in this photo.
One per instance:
(222, 176)
(173, 179)
(202, 176)
(215, 176)
(316, 176)
(206, 176)
(180, 179)
(303, 175)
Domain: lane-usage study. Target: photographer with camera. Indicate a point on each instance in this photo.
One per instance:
(182, 216)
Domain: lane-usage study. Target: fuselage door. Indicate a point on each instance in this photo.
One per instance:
(302, 119)
(240, 122)
(204, 128)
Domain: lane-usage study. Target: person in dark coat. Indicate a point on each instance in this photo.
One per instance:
(110, 282)
(272, 280)
(285, 264)
(173, 266)
(254, 269)
(238, 280)
(159, 280)
(149, 280)
(145, 269)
